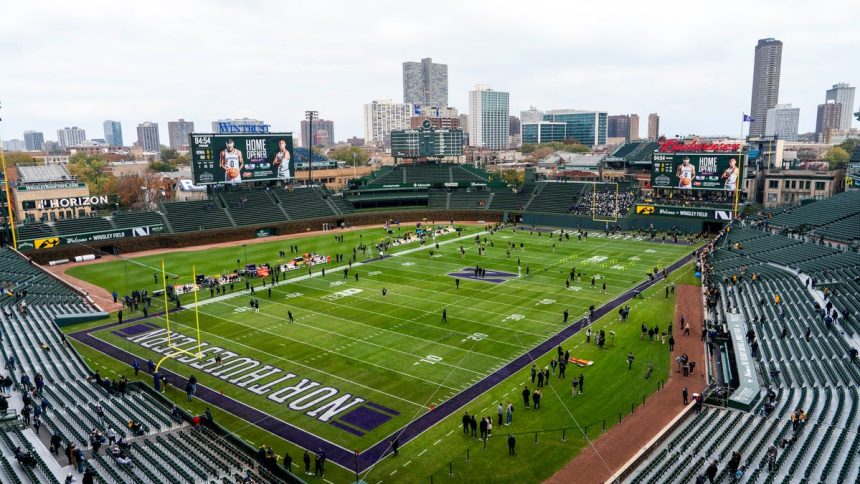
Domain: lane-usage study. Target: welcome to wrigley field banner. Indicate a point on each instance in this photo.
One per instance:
(684, 212)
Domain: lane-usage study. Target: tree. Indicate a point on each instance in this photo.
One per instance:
(168, 155)
(18, 157)
(91, 169)
(836, 157)
(346, 153)
(137, 191)
(569, 145)
(514, 177)
(162, 166)
(849, 145)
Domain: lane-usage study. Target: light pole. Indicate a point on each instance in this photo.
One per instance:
(245, 247)
(310, 115)
(354, 176)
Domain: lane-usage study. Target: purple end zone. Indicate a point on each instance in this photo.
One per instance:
(365, 418)
(495, 277)
(134, 330)
(348, 429)
(380, 407)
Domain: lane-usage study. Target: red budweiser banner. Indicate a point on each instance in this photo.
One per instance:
(674, 146)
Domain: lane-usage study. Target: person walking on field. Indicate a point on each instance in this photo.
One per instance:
(685, 394)
(444, 315)
(512, 443)
(526, 395)
(630, 360)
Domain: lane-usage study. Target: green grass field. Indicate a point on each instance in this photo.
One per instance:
(393, 350)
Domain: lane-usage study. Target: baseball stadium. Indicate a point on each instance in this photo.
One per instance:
(431, 322)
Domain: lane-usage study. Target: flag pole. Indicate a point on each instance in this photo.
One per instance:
(740, 164)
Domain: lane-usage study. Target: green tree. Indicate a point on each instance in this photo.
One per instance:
(569, 145)
(168, 155)
(17, 157)
(91, 169)
(348, 153)
(836, 157)
(849, 145)
(514, 177)
(162, 166)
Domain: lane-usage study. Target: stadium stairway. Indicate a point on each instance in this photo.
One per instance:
(815, 375)
(168, 449)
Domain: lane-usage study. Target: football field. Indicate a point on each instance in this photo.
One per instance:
(365, 356)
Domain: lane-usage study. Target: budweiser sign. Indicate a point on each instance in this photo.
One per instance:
(675, 146)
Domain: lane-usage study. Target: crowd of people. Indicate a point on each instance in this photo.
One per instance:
(606, 204)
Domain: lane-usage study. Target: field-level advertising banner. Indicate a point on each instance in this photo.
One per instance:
(241, 157)
(684, 212)
(697, 171)
(94, 237)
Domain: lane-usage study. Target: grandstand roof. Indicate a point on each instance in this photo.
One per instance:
(572, 159)
(42, 174)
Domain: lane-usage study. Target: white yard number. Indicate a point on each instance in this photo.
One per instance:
(476, 336)
(514, 317)
(407, 264)
(546, 301)
(335, 283)
(242, 309)
(293, 295)
(374, 273)
(432, 359)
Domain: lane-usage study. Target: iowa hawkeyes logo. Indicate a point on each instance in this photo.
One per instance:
(644, 209)
(47, 243)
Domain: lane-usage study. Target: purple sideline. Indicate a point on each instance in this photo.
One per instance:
(345, 457)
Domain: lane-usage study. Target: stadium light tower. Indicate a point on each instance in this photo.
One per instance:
(310, 115)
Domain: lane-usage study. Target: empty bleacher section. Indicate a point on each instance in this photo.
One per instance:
(166, 450)
(468, 199)
(82, 225)
(509, 200)
(802, 358)
(844, 230)
(127, 220)
(432, 174)
(304, 203)
(196, 215)
(819, 213)
(555, 197)
(34, 231)
(252, 207)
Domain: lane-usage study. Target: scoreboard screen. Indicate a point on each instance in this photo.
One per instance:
(426, 142)
(243, 157)
(697, 171)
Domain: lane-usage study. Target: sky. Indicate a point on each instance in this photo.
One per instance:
(65, 63)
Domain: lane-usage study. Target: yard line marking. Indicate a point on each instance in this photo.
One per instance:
(329, 482)
(449, 433)
(440, 440)
(407, 463)
(392, 473)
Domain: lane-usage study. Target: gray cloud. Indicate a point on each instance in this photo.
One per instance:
(79, 63)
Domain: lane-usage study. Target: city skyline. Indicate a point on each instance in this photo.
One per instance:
(698, 78)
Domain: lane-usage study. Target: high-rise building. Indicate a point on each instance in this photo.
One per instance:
(13, 145)
(323, 132)
(618, 126)
(178, 132)
(34, 141)
(381, 117)
(113, 132)
(653, 126)
(586, 127)
(544, 132)
(634, 128)
(765, 89)
(782, 122)
(515, 138)
(147, 137)
(425, 83)
(489, 121)
(827, 121)
(532, 115)
(843, 94)
(68, 137)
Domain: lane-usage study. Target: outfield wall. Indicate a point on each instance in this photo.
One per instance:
(631, 223)
(190, 239)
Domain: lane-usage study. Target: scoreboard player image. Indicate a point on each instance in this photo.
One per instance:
(730, 175)
(282, 161)
(685, 173)
(232, 163)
